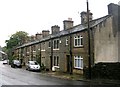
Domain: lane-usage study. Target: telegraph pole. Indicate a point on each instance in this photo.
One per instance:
(40, 53)
(51, 57)
(71, 66)
(89, 49)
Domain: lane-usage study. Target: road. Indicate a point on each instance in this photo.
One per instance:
(17, 76)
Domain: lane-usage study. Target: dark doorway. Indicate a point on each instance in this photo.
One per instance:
(51, 62)
(68, 63)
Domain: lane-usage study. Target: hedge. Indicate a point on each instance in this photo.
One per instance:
(104, 71)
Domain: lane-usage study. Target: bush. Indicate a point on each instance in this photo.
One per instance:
(42, 67)
(104, 71)
(10, 59)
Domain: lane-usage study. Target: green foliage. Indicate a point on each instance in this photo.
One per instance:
(4, 49)
(11, 58)
(43, 67)
(15, 40)
(39, 61)
(104, 71)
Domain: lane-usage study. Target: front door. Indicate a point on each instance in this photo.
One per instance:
(68, 63)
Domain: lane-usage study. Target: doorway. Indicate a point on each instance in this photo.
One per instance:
(68, 63)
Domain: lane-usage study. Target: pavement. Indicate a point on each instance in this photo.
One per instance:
(62, 75)
(77, 77)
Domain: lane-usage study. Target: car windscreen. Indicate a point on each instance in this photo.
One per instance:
(33, 63)
(16, 61)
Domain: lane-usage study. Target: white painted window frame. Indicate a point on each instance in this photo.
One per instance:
(56, 46)
(81, 62)
(79, 39)
(66, 41)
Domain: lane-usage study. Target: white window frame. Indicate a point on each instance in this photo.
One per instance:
(56, 61)
(43, 50)
(78, 41)
(66, 41)
(78, 62)
(56, 44)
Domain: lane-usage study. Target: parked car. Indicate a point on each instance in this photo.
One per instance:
(33, 66)
(16, 64)
(5, 61)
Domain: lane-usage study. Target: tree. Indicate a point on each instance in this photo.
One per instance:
(15, 40)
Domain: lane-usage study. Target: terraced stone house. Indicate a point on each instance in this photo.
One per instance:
(68, 49)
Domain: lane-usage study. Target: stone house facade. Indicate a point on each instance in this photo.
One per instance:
(68, 49)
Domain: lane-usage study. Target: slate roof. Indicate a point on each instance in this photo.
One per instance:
(74, 29)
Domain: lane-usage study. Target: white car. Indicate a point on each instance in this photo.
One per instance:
(5, 61)
(33, 66)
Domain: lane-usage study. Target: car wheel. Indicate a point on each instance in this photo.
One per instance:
(21, 66)
(28, 69)
(12, 66)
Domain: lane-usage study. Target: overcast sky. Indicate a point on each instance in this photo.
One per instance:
(33, 16)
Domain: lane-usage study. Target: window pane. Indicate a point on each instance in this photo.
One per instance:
(78, 63)
(57, 45)
(81, 63)
(49, 44)
(57, 60)
(81, 41)
(75, 42)
(54, 44)
(78, 42)
(75, 62)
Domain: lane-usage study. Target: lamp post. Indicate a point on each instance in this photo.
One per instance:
(89, 49)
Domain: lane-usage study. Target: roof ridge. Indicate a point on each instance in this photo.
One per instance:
(71, 30)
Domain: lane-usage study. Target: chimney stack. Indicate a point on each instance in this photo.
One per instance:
(119, 3)
(45, 33)
(114, 10)
(84, 17)
(68, 23)
(55, 29)
(32, 38)
(38, 36)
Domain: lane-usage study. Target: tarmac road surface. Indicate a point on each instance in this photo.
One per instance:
(18, 76)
